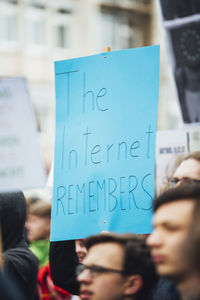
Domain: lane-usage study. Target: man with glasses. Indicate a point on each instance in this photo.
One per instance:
(62, 254)
(188, 170)
(173, 215)
(116, 267)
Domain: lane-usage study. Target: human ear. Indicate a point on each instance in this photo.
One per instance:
(133, 284)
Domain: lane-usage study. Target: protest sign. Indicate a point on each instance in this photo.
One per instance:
(21, 166)
(194, 139)
(106, 116)
(181, 20)
(171, 147)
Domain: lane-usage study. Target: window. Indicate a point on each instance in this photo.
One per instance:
(62, 24)
(8, 23)
(62, 36)
(35, 29)
(118, 31)
(36, 32)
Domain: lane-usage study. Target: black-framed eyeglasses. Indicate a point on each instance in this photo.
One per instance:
(96, 270)
(173, 181)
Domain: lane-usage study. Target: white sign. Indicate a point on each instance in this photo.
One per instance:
(171, 147)
(21, 165)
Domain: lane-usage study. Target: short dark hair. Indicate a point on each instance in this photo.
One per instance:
(182, 191)
(192, 242)
(137, 258)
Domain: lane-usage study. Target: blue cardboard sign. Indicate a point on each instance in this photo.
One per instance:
(106, 116)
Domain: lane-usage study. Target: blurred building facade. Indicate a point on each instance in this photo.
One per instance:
(35, 33)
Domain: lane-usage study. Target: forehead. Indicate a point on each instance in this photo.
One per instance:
(178, 212)
(35, 217)
(188, 168)
(80, 243)
(106, 254)
(32, 217)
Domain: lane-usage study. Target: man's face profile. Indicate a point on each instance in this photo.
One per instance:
(171, 224)
(98, 285)
(38, 228)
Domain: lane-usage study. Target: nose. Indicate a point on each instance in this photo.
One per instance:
(27, 225)
(154, 239)
(84, 277)
(78, 247)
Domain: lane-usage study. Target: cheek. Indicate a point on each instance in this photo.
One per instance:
(175, 247)
(176, 241)
(31, 227)
(84, 251)
(110, 289)
(37, 228)
(42, 226)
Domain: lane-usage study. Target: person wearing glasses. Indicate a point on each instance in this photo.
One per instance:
(117, 266)
(188, 170)
(174, 211)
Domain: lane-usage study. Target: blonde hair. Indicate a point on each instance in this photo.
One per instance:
(40, 209)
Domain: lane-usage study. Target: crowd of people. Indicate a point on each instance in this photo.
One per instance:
(109, 266)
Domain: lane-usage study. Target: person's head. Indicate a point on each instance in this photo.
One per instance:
(173, 214)
(81, 249)
(188, 170)
(191, 248)
(12, 218)
(38, 221)
(116, 267)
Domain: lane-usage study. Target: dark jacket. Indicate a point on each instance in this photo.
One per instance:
(8, 290)
(20, 264)
(165, 290)
(63, 261)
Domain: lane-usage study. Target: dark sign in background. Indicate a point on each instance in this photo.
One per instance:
(181, 19)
